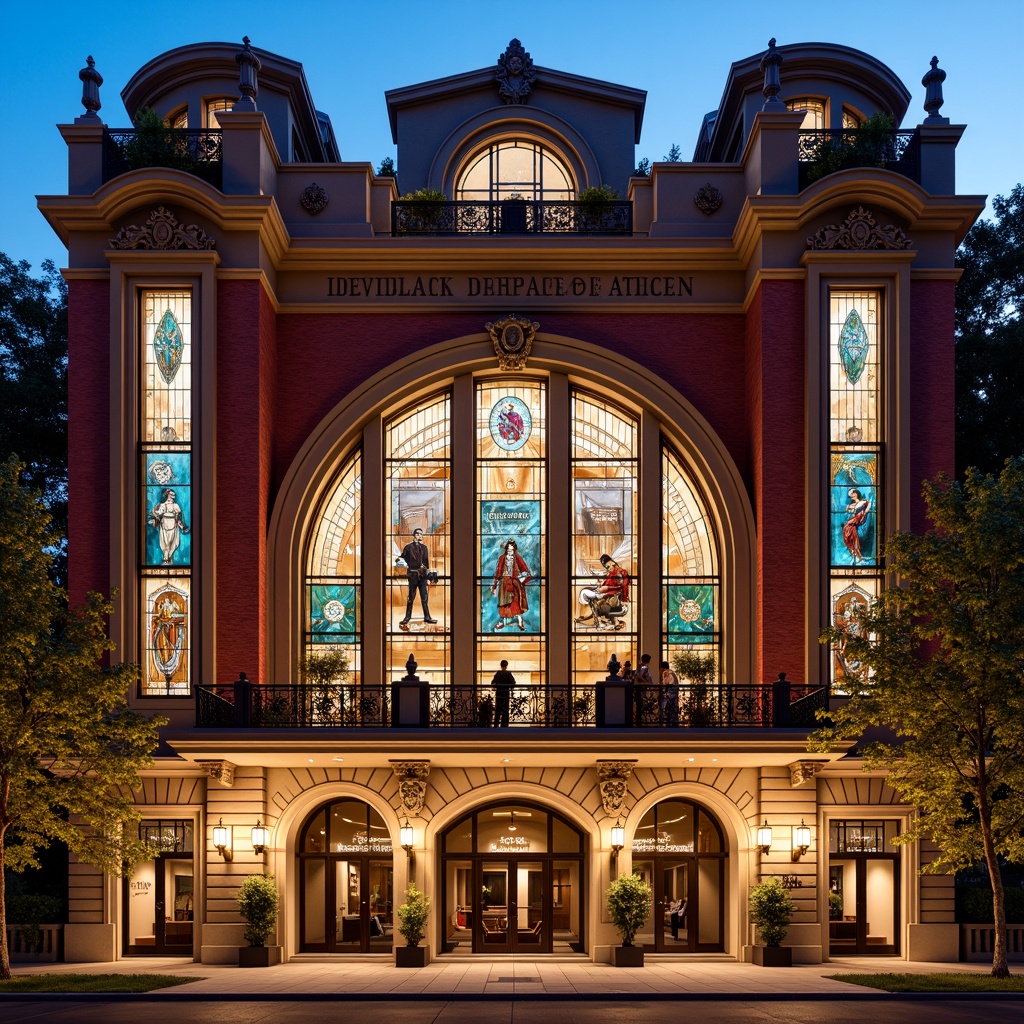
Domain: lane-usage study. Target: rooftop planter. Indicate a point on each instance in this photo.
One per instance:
(152, 144)
(877, 143)
(512, 217)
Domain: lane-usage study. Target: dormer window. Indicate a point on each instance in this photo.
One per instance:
(515, 167)
(814, 111)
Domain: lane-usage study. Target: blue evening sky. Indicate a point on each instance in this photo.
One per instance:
(678, 50)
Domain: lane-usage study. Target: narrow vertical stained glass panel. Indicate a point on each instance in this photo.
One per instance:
(417, 557)
(604, 541)
(854, 367)
(853, 508)
(167, 366)
(511, 452)
(690, 580)
(848, 597)
(333, 570)
(167, 507)
(168, 625)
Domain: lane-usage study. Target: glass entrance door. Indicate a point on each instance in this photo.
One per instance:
(359, 891)
(866, 912)
(515, 907)
(159, 898)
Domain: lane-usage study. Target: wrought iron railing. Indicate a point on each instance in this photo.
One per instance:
(510, 217)
(554, 706)
(823, 151)
(197, 151)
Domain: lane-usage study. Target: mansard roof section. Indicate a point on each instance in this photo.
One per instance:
(843, 76)
(190, 75)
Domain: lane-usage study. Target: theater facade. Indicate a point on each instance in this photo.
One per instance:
(343, 455)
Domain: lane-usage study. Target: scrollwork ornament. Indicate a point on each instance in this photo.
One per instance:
(162, 231)
(614, 776)
(512, 338)
(708, 199)
(859, 232)
(412, 784)
(515, 73)
(314, 199)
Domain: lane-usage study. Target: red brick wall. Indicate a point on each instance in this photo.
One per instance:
(88, 437)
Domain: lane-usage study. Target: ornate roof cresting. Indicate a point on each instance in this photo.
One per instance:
(515, 73)
(859, 231)
(162, 231)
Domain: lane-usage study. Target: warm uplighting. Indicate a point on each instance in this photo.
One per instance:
(764, 837)
(222, 839)
(260, 837)
(618, 836)
(801, 840)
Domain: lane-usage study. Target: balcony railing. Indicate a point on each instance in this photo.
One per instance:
(510, 217)
(824, 151)
(197, 151)
(248, 705)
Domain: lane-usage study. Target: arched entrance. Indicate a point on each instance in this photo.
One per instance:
(512, 881)
(679, 848)
(346, 880)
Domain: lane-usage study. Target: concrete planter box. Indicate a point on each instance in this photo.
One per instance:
(412, 956)
(773, 956)
(628, 956)
(259, 956)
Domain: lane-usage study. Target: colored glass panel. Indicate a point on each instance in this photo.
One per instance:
(853, 511)
(690, 613)
(168, 508)
(332, 613)
(167, 630)
(167, 366)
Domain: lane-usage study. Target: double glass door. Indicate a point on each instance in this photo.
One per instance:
(159, 902)
(512, 916)
(348, 904)
(688, 904)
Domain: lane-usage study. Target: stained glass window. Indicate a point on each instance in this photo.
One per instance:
(166, 492)
(855, 462)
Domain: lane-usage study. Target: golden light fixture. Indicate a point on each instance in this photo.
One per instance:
(222, 839)
(764, 837)
(260, 837)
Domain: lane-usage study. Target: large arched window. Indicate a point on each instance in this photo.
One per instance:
(515, 168)
(510, 527)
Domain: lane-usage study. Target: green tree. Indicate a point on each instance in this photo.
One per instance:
(70, 748)
(34, 384)
(943, 652)
(990, 338)
(674, 155)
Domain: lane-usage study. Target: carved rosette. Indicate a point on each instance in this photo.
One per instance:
(313, 199)
(512, 337)
(708, 199)
(220, 771)
(515, 73)
(804, 771)
(412, 783)
(162, 231)
(614, 776)
(859, 231)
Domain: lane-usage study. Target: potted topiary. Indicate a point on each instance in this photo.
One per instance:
(630, 900)
(835, 906)
(257, 903)
(412, 917)
(770, 910)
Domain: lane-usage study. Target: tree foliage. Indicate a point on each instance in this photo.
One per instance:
(990, 338)
(674, 155)
(70, 747)
(630, 903)
(34, 383)
(771, 909)
(944, 654)
(257, 903)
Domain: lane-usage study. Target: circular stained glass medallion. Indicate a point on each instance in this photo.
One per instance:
(510, 423)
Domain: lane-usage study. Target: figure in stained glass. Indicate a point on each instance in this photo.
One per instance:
(854, 499)
(511, 575)
(167, 631)
(168, 346)
(853, 346)
(415, 558)
(169, 520)
(857, 510)
(606, 603)
(510, 423)
(847, 606)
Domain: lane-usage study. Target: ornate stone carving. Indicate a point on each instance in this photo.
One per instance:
(220, 771)
(770, 64)
(91, 82)
(513, 338)
(614, 776)
(932, 82)
(859, 231)
(515, 73)
(162, 231)
(313, 199)
(412, 783)
(249, 68)
(707, 199)
(804, 771)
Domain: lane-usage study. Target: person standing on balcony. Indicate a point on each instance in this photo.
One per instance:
(643, 684)
(669, 695)
(503, 682)
(416, 559)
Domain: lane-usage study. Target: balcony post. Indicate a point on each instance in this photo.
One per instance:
(614, 699)
(243, 701)
(410, 700)
(781, 690)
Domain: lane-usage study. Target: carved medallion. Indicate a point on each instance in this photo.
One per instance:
(313, 199)
(513, 338)
(614, 776)
(412, 783)
(168, 346)
(510, 423)
(853, 346)
(162, 231)
(859, 231)
(707, 199)
(515, 73)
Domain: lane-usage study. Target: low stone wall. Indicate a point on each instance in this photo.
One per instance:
(35, 943)
(976, 941)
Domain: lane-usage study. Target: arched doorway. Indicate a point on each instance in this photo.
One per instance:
(679, 848)
(512, 881)
(346, 880)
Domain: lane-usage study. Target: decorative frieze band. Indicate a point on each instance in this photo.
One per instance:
(162, 231)
(859, 231)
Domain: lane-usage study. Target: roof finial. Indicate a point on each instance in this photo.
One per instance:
(770, 64)
(91, 82)
(248, 83)
(933, 101)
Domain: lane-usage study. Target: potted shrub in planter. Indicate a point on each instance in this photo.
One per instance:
(770, 910)
(699, 672)
(595, 206)
(257, 903)
(630, 900)
(412, 917)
